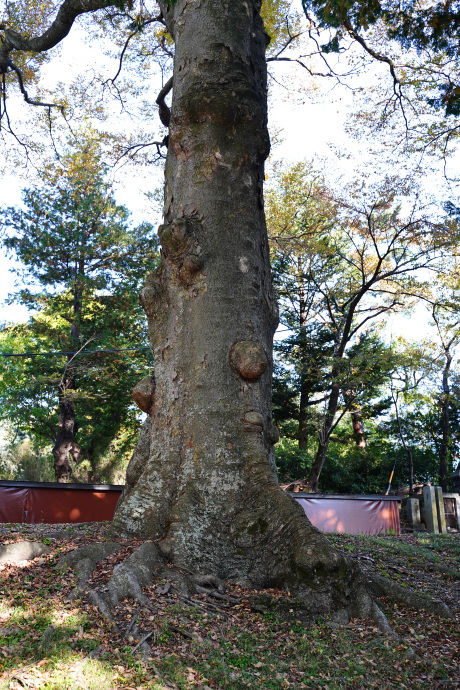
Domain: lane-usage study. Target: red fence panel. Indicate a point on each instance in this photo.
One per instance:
(67, 505)
(13, 504)
(49, 502)
(352, 514)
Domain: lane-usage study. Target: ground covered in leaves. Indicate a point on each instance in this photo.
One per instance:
(49, 642)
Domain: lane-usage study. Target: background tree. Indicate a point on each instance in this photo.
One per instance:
(449, 336)
(414, 103)
(76, 243)
(364, 376)
(361, 264)
(300, 215)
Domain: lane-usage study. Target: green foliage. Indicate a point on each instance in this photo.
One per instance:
(291, 461)
(23, 458)
(83, 265)
(413, 25)
(73, 235)
(340, 262)
(282, 23)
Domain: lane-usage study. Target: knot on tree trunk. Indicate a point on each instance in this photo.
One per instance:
(144, 394)
(253, 421)
(248, 360)
(151, 294)
(273, 434)
(181, 248)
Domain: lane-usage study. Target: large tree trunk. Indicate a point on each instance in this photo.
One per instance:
(202, 480)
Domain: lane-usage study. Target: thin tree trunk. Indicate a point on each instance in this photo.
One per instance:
(329, 423)
(65, 445)
(410, 459)
(65, 440)
(303, 415)
(358, 427)
(312, 483)
(446, 441)
(305, 379)
(356, 418)
(410, 463)
(324, 437)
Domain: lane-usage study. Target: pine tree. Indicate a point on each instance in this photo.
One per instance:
(83, 264)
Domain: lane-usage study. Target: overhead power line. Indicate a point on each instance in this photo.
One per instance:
(75, 354)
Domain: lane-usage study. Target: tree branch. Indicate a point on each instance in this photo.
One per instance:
(380, 58)
(22, 88)
(164, 111)
(59, 28)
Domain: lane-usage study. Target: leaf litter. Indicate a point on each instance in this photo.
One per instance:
(208, 643)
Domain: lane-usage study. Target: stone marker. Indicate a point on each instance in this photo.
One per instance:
(455, 479)
(441, 513)
(413, 511)
(430, 509)
(456, 498)
(22, 551)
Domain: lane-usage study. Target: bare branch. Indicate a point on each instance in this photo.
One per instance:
(380, 58)
(27, 98)
(138, 30)
(58, 30)
(164, 111)
(135, 148)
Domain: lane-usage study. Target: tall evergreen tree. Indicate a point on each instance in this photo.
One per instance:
(84, 264)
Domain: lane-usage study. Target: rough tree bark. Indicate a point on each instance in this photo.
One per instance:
(356, 418)
(65, 445)
(358, 427)
(202, 481)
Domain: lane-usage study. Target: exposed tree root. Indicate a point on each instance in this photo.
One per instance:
(83, 561)
(382, 587)
(296, 609)
(147, 565)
